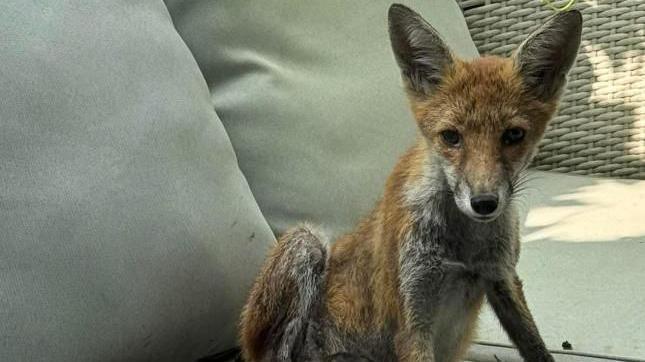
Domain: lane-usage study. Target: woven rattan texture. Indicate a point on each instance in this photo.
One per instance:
(600, 127)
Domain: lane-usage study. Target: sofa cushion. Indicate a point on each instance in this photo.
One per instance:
(128, 232)
(311, 97)
(582, 265)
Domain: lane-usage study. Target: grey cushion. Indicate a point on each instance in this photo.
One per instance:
(127, 230)
(311, 97)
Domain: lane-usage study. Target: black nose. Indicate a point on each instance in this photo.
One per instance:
(484, 204)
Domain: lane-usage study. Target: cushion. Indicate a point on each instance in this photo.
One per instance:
(582, 265)
(311, 97)
(128, 231)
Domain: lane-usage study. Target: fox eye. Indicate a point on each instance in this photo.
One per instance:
(451, 138)
(513, 136)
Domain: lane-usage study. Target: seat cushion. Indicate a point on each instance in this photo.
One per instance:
(128, 233)
(311, 97)
(582, 265)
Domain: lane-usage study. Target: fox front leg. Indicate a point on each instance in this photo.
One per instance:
(414, 346)
(421, 277)
(507, 299)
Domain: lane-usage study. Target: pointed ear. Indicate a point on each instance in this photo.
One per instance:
(545, 58)
(419, 50)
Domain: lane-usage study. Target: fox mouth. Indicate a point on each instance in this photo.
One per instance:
(484, 219)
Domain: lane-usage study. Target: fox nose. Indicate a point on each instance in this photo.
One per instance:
(484, 204)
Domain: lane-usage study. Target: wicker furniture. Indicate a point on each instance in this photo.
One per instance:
(600, 128)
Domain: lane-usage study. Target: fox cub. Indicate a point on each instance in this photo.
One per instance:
(408, 283)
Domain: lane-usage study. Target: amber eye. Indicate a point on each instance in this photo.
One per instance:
(513, 136)
(451, 138)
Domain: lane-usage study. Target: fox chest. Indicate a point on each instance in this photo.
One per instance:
(460, 296)
(455, 316)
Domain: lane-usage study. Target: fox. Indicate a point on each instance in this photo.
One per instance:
(408, 282)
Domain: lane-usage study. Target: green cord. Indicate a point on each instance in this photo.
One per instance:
(566, 7)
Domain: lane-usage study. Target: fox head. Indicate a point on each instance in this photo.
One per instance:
(483, 119)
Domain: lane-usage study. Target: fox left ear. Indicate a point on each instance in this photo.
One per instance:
(545, 58)
(419, 50)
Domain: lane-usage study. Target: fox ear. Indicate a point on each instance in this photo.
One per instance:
(419, 50)
(545, 58)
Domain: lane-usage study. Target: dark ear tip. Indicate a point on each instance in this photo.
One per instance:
(575, 13)
(571, 17)
(398, 11)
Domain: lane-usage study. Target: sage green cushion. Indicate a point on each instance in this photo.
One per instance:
(127, 231)
(311, 97)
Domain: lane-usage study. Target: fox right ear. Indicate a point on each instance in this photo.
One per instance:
(547, 55)
(419, 50)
